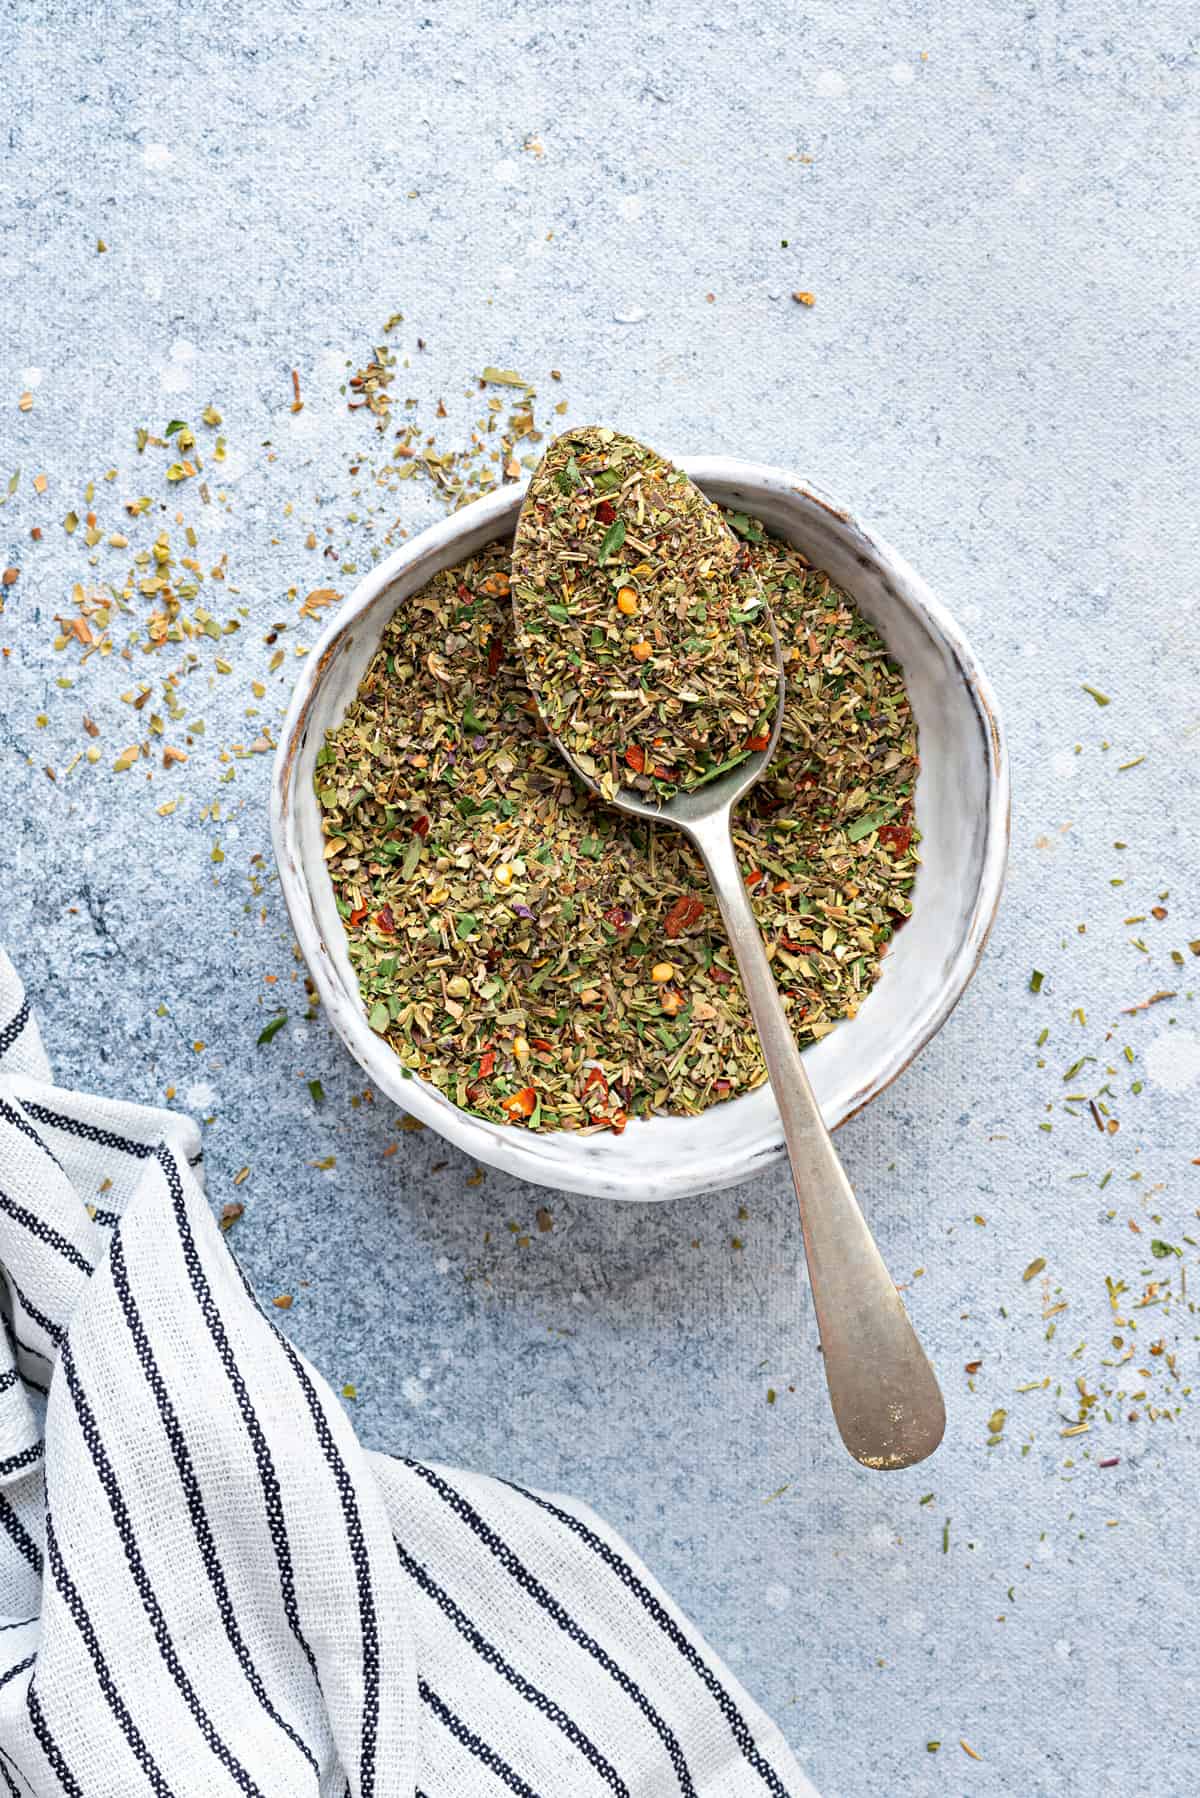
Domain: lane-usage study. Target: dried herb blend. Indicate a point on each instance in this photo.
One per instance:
(544, 960)
(641, 617)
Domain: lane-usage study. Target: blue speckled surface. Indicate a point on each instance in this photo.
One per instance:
(1001, 372)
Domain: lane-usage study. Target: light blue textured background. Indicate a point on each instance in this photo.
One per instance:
(1000, 372)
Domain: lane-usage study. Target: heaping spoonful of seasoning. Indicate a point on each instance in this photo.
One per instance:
(653, 658)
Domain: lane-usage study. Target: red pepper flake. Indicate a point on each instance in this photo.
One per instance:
(636, 758)
(385, 921)
(617, 1122)
(487, 1063)
(683, 914)
(1154, 999)
(495, 656)
(358, 914)
(421, 827)
(595, 1078)
(520, 1105)
(606, 511)
(759, 742)
(897, 837)
(540, 1042)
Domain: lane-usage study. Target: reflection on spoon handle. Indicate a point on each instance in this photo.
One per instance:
(885, 1396)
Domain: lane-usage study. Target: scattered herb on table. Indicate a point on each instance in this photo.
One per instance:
(272, 1028)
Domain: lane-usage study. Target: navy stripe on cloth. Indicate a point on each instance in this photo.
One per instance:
(23, 1348)
(107, 1684)
(26, 1128)
(488, 1653)
(268, 1478)
(21, 1667)
(26, 1458)
(54, 1331)
(357, 1544)
(18, 1346)
(45, 1232)
(516, 1568)
(494, 1762)
(106, 1139)
(368, 1623)
(141, 1579)
(646, 1598)
(13, 1028)
(48, 1745)
(12, 1526)
(7, 1761)
(201, 1527)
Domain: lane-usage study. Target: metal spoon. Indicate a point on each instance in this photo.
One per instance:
(885, 1396)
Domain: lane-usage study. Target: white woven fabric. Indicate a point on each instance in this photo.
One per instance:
(208, 1587)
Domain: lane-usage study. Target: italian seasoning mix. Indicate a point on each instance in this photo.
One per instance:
(541, 958)
(641, 617)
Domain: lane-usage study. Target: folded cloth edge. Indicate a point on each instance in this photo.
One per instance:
(585, 1672)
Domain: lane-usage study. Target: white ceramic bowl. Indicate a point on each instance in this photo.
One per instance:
(961, 808)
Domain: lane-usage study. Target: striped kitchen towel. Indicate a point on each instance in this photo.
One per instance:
(208, 1587)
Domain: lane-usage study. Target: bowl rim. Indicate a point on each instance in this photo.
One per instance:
(515, 1151)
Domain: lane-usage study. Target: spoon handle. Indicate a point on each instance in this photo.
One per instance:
(885, 1396)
